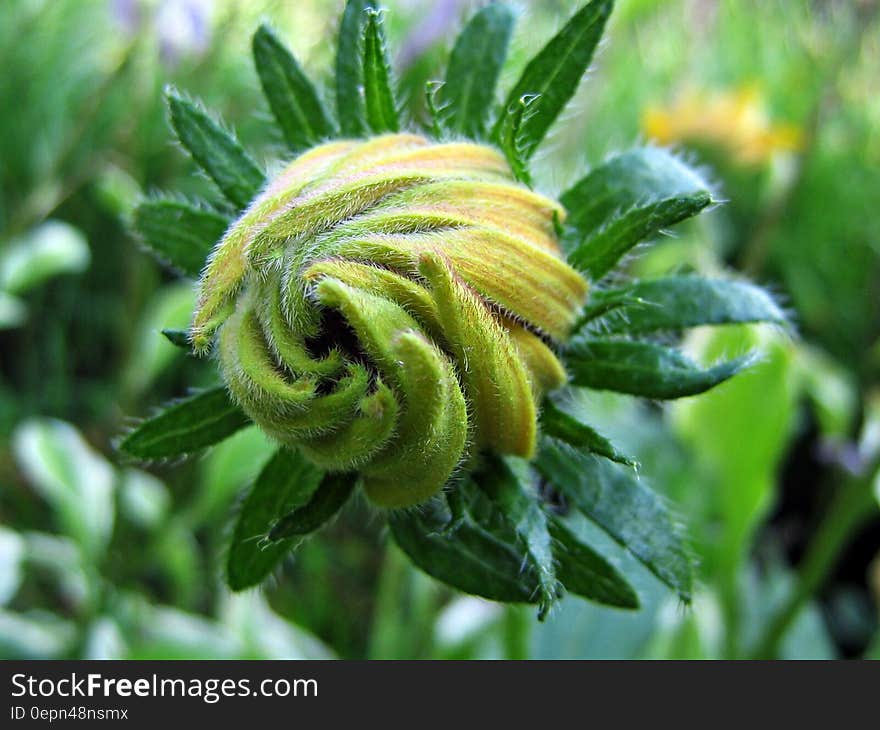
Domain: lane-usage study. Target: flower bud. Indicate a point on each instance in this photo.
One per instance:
(390, 306)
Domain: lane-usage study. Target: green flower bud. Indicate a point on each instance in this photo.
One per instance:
(391, 306)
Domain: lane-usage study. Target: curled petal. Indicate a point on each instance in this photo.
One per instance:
(392, 306)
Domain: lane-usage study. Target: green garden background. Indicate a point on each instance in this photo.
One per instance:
(773, 475)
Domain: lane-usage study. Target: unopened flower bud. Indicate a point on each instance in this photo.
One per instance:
(391, 306)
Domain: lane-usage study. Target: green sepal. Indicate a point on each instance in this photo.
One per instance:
(187, 426)
(480, 559)
(677, 302)
(644, 369)
(510, 136)
(179, 233)
(285, 483)
(349, 69)
(584, 572)
(216, 151)
(554, 74)
(379, 104)
(626, 200)
(587, 572)
(616, 500)
(293, 98)
(326, 501)
(557, 423)
(432, 89)
(509, 483)
(474, 66)
(479, 552)
(178, 338)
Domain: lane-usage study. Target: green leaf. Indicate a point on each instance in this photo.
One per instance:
(287, 482)
(349, 69)
(479, 552)
(626, 200)
(554, 74)
(178, 338)
(618, 502)
(76, 482)
(586, 573)
(216, 151)
(473, 558)
(50, 249)
(187, 426)
(293, 98)
(559, 424)
(326, 502)
(180, 234)
(290, 499)
(432, 88)
(511, 139)
(676, 302)
(644, 369)
(758, 414)
(507, 482)
(474, 66)
(12, 548)
(381, 111)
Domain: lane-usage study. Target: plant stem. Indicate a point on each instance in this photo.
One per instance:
(851, 506)
(516, 632)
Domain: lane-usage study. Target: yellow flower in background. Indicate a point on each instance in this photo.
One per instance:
(736, 121)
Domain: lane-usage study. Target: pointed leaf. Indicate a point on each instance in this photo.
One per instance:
(216, 151)
(432, 88)
(559, 424)
(474, 66)
(178, 338)
(187, 426)
(292, 96)
(179, 233)
(586, 573)
(644, 369)
(507, 482)
(676, 302)
(325, 502)
(284, 484)
(349, 69)
(479, 552)
(599, 253)
(626, 200)
(379, 104)
(511, 139)
(616, 500)
(554, 74)
(470, 557)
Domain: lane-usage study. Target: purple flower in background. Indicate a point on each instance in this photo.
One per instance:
(182, 27)
(128, 14)
(438, 18)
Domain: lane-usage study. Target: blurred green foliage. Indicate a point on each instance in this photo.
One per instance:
(774, 473)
